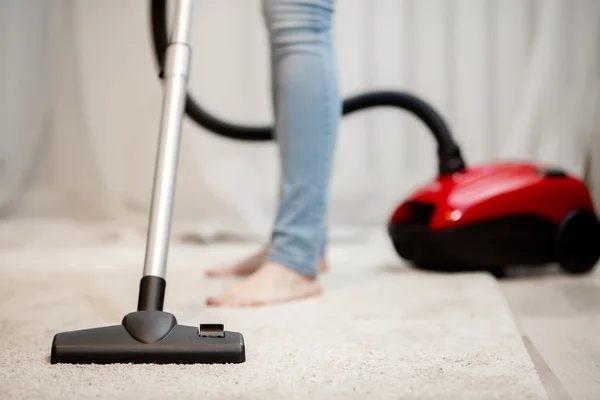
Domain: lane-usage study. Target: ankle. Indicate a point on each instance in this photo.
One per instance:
(291, 272)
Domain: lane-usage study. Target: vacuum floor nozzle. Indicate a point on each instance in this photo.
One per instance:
(149, 337)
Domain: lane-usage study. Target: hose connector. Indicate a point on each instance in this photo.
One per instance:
(450, 161)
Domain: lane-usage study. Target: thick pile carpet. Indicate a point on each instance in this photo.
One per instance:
(379, 331)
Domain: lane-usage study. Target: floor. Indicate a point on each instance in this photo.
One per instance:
(379, 331)
(559, 318)
(558, 315)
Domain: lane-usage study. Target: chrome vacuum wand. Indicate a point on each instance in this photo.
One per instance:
(150, 335)
(175, 74)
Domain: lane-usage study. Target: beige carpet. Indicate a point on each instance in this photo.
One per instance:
(379, 331)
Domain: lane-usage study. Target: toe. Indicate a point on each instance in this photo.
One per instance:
(211, 301)
(211, 273)
(215, 301)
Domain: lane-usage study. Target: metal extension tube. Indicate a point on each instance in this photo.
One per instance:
(175, 74)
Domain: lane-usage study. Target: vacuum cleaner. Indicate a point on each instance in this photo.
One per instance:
(469, 218)
(151, 335)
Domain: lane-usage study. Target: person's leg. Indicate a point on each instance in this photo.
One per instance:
(276, 14)
(307, 109)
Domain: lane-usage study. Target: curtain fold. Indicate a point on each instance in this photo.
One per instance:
(516, 79)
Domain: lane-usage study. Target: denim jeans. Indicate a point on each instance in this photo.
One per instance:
(307, 108)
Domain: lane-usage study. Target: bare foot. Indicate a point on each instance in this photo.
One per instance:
(269, 284)
(242, 268)
(250, 265)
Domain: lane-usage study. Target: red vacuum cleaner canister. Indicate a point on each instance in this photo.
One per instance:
(491, 216)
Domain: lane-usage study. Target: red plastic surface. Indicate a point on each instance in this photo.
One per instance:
(498, 190)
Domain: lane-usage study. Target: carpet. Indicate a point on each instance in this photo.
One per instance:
(380, 330)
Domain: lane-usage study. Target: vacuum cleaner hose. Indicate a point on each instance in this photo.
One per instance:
(449, 157)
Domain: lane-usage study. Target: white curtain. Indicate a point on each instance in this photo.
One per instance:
(515, 79)
(28, 41)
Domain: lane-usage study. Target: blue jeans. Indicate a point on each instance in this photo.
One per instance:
(307, 108)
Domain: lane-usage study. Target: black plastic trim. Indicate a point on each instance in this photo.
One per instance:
(149, 326)
(513, 240)
(152, 293)
(553, 173)
(420, 213)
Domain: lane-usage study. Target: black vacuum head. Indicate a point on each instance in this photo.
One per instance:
(149, 337)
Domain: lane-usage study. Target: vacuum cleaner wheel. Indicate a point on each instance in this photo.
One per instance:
(578, 242)
(402, 248)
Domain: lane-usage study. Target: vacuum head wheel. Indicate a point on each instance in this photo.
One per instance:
(578, 243)
(149, 337)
